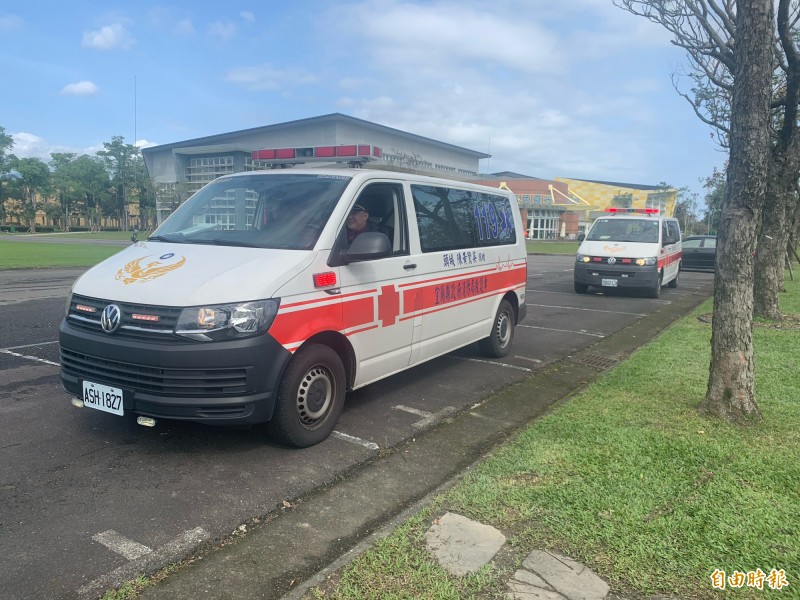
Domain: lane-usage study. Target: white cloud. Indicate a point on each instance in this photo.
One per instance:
(108, 37)
(184, 27)
(248, 16)
(144, 144)
(81, 88)
(9, 22)
(28, 145)
(446, 34)
(224, 31)
(266, 77)
(517, 79)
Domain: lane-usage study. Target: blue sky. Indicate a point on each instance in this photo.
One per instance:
(573, 88)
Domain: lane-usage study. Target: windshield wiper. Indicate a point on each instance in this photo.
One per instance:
(217, 242)
(178, 238)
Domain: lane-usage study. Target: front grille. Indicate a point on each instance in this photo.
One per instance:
(155, 380)
(609, 273)
(158, 324)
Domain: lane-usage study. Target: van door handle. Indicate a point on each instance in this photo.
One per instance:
(409, 266)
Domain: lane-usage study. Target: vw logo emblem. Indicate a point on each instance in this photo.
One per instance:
(110, 318)
(611, 261)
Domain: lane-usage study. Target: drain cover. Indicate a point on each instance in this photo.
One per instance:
(597, 361)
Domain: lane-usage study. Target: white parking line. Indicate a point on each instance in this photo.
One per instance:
(29, 345)
(413, 411)
(34, 358)
(599, 335)
(550, 292)
(121, 545)
(613, 312)
(535, 360)
(427, 417)
(167, 553)
(496, 364)
(354, 440)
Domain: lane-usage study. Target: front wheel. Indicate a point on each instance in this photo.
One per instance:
(310, 397)
(674, 283)
(498, 343)
(655, 289)
(581, 288)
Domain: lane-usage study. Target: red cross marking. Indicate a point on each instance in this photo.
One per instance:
(388, 305)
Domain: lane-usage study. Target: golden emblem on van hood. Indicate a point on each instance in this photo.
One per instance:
(134, 271)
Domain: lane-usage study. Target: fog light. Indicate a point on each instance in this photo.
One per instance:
(146, 421)
(77, 402)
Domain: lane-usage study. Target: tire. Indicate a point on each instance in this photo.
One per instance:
(499, 341)
(674, 283)
(310, 397)
(655, 290)
(581, 288)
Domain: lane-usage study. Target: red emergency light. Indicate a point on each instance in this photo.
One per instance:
(326, 279)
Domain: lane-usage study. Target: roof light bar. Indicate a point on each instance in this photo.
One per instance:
(645, 211)
(349, 152)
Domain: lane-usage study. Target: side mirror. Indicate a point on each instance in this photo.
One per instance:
(581, 237)
(368, 246)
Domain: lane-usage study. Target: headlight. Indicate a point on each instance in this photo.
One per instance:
(582, 258)
(226, 321)
(646, 262)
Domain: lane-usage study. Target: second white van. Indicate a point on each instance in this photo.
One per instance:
(631, 249)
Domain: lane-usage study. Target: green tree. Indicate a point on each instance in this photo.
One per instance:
(79, 181)
(33, 181)
(121, 161)
(6, 142)
(715, 196)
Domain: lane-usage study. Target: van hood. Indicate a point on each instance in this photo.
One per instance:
(619, 249)
(191, 275)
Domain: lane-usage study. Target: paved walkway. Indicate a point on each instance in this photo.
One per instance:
(463, 546)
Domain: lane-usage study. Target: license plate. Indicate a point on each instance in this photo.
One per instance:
(609, 283)
(102, 397)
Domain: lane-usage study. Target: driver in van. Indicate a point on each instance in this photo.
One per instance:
(358, 222)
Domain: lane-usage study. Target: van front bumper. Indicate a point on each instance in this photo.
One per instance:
(626, 276)
(225, 382)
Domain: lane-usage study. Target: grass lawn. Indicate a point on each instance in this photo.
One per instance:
(29, 255)
(537, 247)
(629, 479)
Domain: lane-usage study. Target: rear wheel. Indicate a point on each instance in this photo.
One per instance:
(581, 288)
(499, 341)
(310, 397)
(674, 282)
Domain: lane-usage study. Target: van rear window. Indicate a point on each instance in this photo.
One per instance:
(451, 218)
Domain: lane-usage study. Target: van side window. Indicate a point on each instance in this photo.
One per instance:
(670, 232)
(449, 218)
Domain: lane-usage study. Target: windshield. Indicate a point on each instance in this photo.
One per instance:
(285, 211)
(624, 230)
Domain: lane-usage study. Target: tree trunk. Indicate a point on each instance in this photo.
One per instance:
(774, 237)
(731, 382)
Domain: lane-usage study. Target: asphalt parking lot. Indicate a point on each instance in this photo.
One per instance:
(84, 493)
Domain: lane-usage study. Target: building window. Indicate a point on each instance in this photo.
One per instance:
(543, 224)
(200, 171)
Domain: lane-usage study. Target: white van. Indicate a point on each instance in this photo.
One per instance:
(630, 248)
(250, 303)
